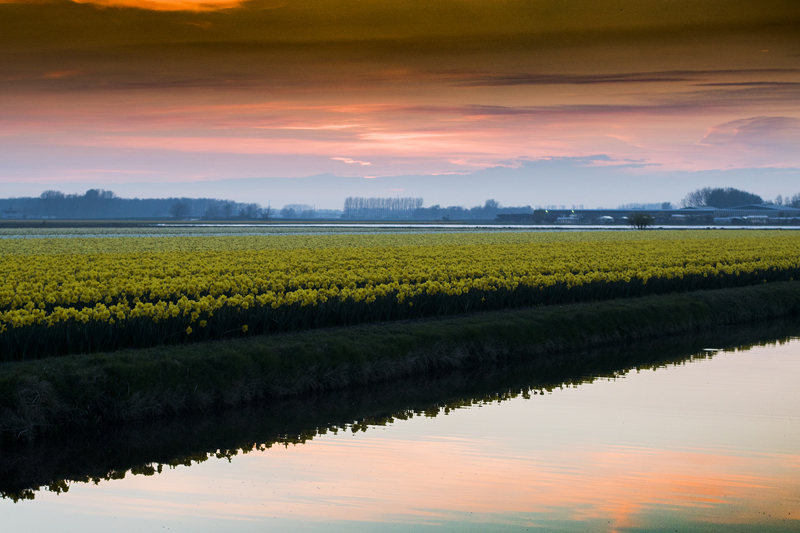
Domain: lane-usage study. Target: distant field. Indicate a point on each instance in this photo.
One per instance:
(72, 295)
(248, 229)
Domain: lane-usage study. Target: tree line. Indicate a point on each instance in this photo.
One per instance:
(357, 207)
(488, 211)
(723, 198)
(100, 204)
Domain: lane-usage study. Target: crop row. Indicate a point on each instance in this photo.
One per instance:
(61, 297)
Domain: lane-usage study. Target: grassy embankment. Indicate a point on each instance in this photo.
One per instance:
(148, 447)
(58, 393)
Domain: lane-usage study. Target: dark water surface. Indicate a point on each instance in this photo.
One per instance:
(670, 435)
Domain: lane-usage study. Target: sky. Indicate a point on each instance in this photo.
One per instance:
(530, 102)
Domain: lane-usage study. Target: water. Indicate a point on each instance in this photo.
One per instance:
(255, 229)
(659, 437)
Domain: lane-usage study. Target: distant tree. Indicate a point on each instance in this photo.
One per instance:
(489, 210)
(100, 204)
(180, 210)
(720, 198)
(696, 198)
(266, 212)
(227, 209)
(667, 205)
(794, 202)
(381, 208)
(52, 195)
(250, 211)
(304, 211)
(211, 212)
(288, 212)
(640, 220)
(99, 194)
(51, 203)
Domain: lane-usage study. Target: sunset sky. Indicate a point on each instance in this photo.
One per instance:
(529, 102)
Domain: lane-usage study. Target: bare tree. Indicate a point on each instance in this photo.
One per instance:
(380, 208)
(696, 198)
(640, 220)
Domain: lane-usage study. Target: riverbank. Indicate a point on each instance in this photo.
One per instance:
(79, 391)
(145, 448)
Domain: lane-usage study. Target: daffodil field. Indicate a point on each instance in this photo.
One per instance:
(71, 295)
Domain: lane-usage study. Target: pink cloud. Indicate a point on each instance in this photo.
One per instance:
(351, 161)
(394, 136)
(770, 133)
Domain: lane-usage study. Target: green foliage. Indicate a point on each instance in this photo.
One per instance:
(37, 341)
(55, 393)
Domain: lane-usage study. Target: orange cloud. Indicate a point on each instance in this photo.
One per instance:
(58, 74)
(168, 5)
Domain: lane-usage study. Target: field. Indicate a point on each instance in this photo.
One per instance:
(83, 294)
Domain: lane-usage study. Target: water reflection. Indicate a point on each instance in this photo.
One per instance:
(710, 439)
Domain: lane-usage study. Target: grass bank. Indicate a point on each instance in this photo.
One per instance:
(146, 448)
(78, 391)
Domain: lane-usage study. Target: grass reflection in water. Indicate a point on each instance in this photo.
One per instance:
(148, 449)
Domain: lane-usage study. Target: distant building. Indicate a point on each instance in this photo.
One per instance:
(758, 214)
(568, 219)
(768, 210)
(761, 214)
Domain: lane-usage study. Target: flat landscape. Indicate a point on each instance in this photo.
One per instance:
(408, 265)
(175, 346)
(81, 295)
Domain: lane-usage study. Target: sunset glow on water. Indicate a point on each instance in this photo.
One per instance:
(709, 445)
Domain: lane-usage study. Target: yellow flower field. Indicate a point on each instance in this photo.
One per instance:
(86, 294)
